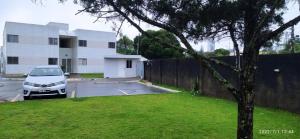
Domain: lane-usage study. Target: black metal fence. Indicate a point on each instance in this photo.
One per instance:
(277, 78)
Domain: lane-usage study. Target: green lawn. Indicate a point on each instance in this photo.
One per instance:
(91, 75)
(179, 115)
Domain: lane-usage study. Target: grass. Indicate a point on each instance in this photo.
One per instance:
(91, 75)
(177, 115)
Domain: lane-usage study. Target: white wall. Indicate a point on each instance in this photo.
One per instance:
(97, 48)
(74, 57)
(4, 52)
(129, 72)
(111, 68)
(32, 49)
(61, 26)
(140, 69)
(116, 68)
(1, 60)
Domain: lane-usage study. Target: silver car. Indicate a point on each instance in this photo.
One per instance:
(45, 80)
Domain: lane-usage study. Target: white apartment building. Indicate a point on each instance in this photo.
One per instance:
(26, 46)
(1, 59)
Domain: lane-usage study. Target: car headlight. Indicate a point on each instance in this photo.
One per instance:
(29, 83)
(59, 83)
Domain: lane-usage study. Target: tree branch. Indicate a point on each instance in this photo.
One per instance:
(120, 26)
(235, 45)
(279, 30)
(168, 28)
(202, 59)
(261, 24)
(180, 36)
(266, 18)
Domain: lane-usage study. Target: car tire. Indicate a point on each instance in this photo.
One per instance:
(26, 97)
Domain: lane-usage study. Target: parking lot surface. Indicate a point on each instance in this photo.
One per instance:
(87, 89)
(11, 90)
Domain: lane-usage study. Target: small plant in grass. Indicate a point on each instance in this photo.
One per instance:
(196, 88)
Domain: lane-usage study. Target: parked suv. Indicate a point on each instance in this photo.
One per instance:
(45, 81)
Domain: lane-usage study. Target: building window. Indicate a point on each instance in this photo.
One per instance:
(82, 61)
(82, 43)
(52, 41)
(12, 38)
(52, 61)
(12, 60)
(128, 63)
(111, 44)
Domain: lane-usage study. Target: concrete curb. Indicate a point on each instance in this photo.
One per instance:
(73, 94)
(159, 87)
(74, 79)
(116, 82)
(2, 101)
(12, 79)
(15, 98)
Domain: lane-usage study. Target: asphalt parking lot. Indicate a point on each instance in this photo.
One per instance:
(11, 90)
(87, 89)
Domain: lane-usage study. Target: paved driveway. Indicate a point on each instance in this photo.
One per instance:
(12, 90)
(9, 90)
(87, 89)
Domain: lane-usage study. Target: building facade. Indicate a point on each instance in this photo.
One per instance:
(26, 46)
(1, 59)
(123, 66)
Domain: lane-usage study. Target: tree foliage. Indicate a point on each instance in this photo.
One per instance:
(125, 46)
(250, 24)
(288, 47)
(267, 51)
(221, 52)
(151, 49)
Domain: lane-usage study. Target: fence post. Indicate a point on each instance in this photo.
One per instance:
(160, 71)
(202, 77)
(150, 70)
(146, 69)
(176, 72)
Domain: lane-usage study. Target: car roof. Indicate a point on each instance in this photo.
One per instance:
(48, 66)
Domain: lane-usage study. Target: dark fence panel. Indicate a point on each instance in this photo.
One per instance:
(277, 78)
(187, 77)
(155, 71)
(279, 89)
(169, 72)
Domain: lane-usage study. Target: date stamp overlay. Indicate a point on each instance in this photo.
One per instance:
(276, 131)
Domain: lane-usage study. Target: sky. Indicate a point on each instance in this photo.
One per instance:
(26, 11)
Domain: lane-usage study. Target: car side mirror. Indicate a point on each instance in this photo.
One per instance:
(25, 75)
(67, 74)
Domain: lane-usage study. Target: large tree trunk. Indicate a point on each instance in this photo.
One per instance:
(245, 120)
(246, 95)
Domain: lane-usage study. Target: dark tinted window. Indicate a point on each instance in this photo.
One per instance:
(129, 64)
(52, 41)
(111, 45)
(52, 61)
(12, 38)
(82, 43)
(12, 60)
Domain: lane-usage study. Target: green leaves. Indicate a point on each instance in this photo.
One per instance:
(151, 49)
(125, 46)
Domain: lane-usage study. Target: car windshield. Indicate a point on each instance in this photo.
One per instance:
(46, 72)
